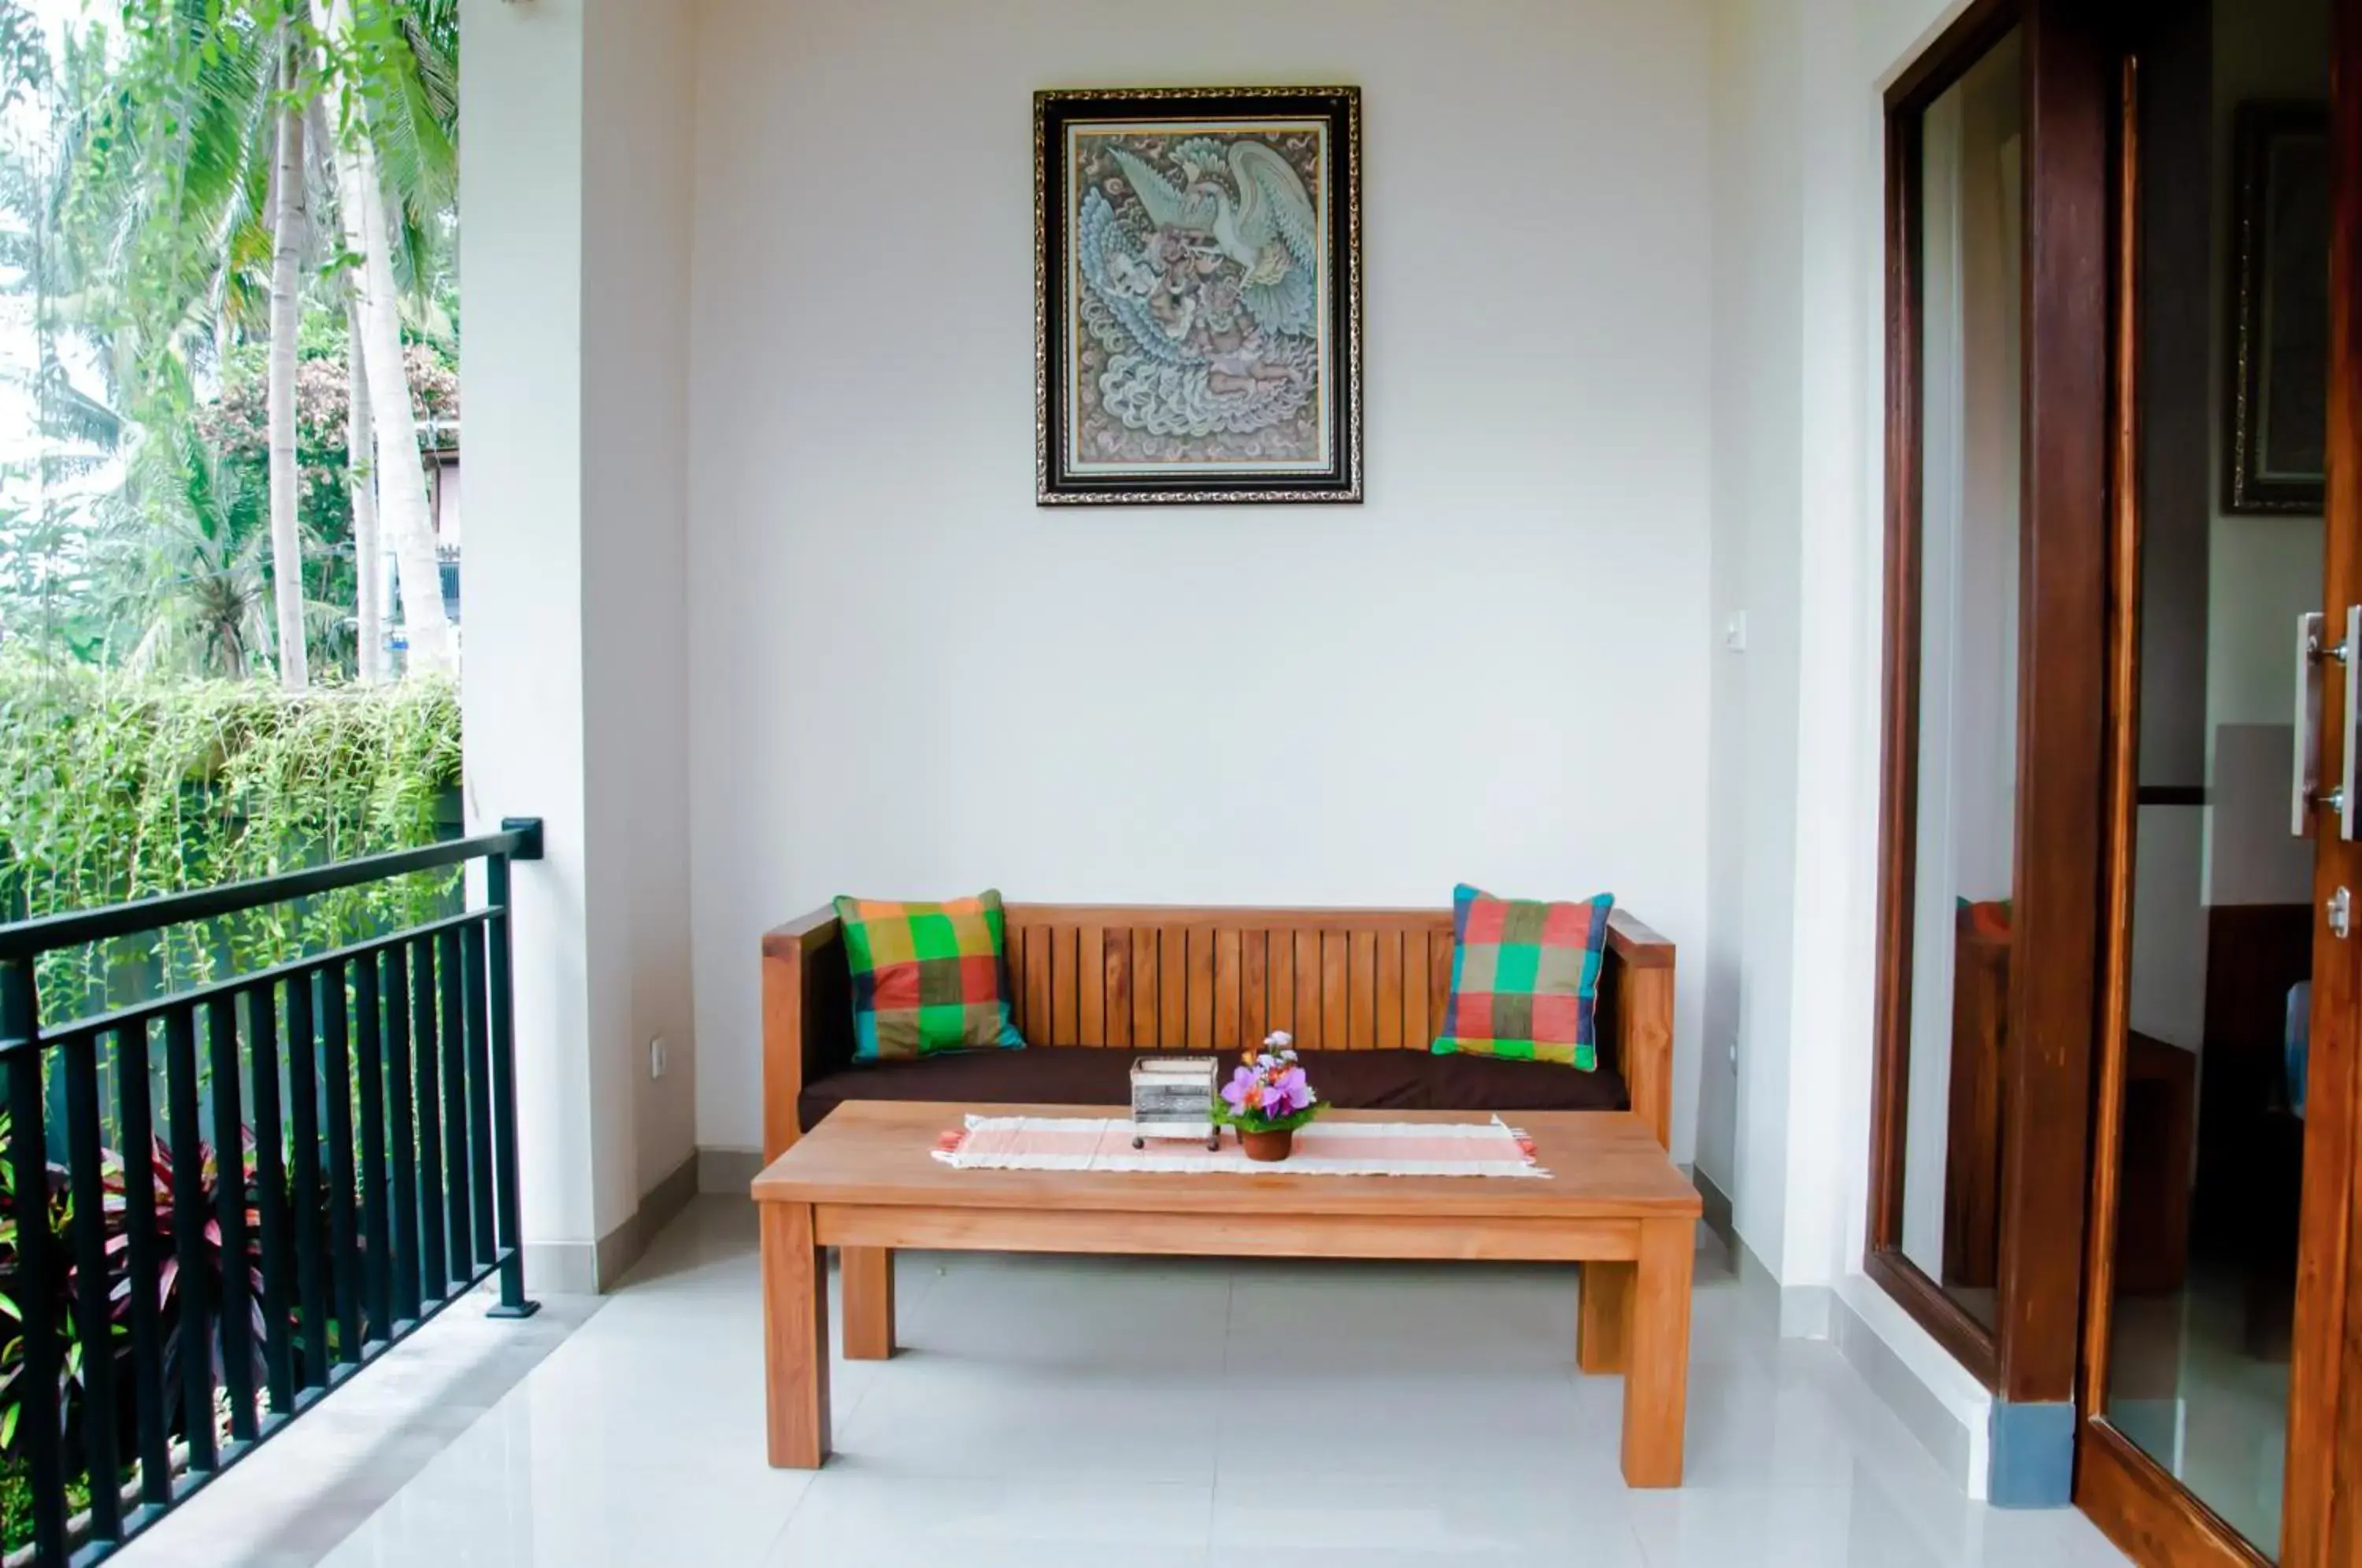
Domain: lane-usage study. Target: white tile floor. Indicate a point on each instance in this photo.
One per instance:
(1051, 1411)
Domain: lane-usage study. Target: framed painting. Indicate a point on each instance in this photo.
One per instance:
(2275, 446)
(1197, 295)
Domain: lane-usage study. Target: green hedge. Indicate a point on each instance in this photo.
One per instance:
(113, 788)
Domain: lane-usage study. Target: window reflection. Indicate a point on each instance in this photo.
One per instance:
(1972, 310)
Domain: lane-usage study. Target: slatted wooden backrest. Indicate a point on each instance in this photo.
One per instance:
(1217, 980)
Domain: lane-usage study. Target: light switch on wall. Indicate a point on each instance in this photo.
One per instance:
(1734, 632)
(656, 1057)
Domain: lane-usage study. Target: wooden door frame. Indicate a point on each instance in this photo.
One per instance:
(2323, 1501)
(2030, 1355)
(2126, 1492)
(1962, 45)
(2132, 1498)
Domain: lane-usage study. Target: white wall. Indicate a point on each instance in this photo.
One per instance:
(519, 178)
(906, 679)
(638, 142)
(1805, 212)
(1787, 311)
(576, 120)
(1758, 480)
(1798, 325)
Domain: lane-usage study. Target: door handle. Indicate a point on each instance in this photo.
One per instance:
(2305, 782)
(2304, 766)
(2344, 653)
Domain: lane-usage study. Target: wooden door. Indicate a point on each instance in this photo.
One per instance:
(2325, 1483)
(2276, 1134)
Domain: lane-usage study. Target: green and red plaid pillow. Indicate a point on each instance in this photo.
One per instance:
(1524, 978)
(926, 977)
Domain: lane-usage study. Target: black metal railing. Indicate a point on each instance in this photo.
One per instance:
(177, 1304)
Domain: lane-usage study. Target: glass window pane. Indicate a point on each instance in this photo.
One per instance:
(1964, 838)
(2209, 1173)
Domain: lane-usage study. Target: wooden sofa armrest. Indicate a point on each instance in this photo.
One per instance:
(797, 1024)
(1641, 971)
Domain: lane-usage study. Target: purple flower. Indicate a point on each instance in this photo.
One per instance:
(1266, 1089)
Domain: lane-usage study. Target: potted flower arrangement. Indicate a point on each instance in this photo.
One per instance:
(1268, 1098)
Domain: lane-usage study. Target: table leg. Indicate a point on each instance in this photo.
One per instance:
(1603, 1324)
(868, 1276)
(1656, 1380)
(795, 1337)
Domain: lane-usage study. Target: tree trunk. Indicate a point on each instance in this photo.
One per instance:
(360, 467)
(369, 560)
(401, 475)
(289, 224)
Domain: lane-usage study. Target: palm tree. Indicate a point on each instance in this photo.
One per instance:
(184, 232)
(171, 167)
(368, 562)
(75, 430)
(189, 209)
(372, 72)
(186, 197)
(290, 228)
(183, 567)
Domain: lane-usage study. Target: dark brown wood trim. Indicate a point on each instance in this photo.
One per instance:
(2034, 1351)
(2122, 761)
(2154, 1519)
(1899, 764)
(1946, 60)
(1964, 1339)
(2063, 660)
(2322, 1503)
(1977, 1347)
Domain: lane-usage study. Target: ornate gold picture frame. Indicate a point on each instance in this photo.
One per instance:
(1197, 295)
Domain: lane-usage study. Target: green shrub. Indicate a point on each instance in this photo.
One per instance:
(114, 787)
(17, 1502)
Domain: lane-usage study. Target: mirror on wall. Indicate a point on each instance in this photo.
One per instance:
(1961, 836)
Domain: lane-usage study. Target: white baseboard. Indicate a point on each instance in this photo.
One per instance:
(1941, 1405)
(1957, 1442)
(730, 1171)
(587, 1268)
(561, 1268)
(1718, 1217)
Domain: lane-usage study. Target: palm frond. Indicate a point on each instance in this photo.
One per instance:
(69, 413)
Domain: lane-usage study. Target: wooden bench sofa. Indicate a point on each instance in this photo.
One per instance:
(1361, 991)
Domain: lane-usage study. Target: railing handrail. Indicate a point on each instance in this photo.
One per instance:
(138, 1014)
(519, 838)
(372, 1091)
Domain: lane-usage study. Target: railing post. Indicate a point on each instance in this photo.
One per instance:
(513, 1303)
(454, 1102)
(36, 1263)
(94, 1315)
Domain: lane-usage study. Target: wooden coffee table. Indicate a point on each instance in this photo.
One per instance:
(865, 1182)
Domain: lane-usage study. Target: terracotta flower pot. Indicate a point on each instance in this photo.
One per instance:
(1268, 1146)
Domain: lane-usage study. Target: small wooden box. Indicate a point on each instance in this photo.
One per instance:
(1173, 1098)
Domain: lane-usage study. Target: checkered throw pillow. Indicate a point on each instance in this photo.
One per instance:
(926, 977)
(1524, 978)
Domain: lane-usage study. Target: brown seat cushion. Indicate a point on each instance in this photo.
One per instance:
(1352, 1080)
